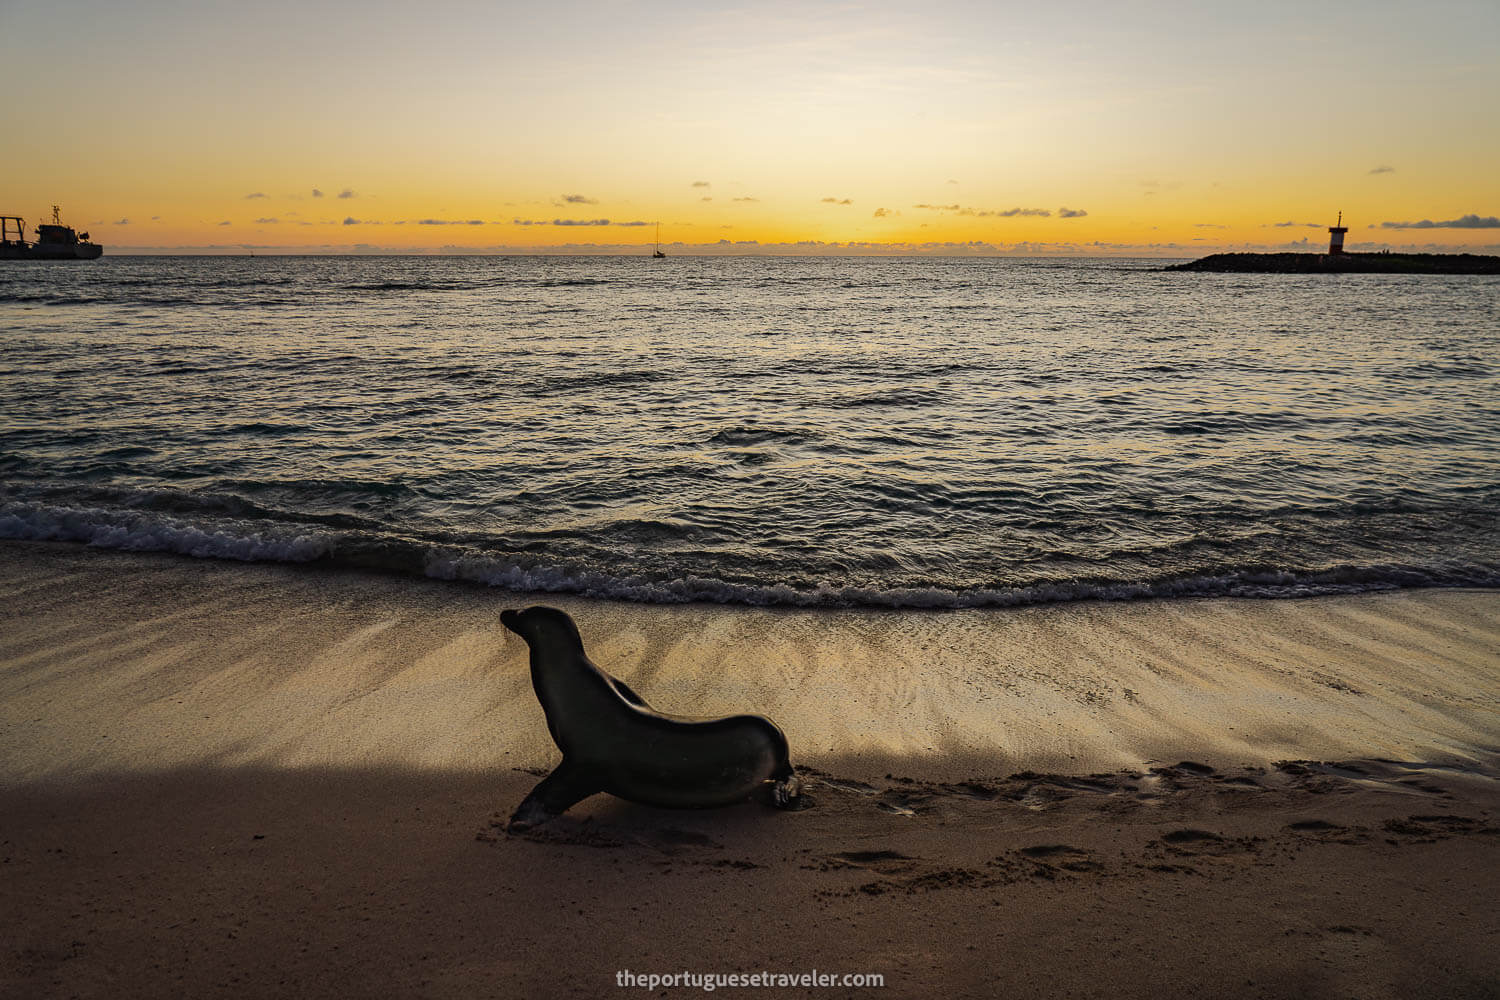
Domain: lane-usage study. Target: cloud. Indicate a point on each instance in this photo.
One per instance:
(346, 193)
(986, 212)
(1383, 170)
(1208, 225)
(317, 193)
(268, 221)
(224, 223)
(747, 199)
(881, 213)
(122, 222)
(575, 222)
(836, 201)
(1291, 225)
(701, 184)
(450, 222)
(350, 220)
(1071, 213)
(255, 194)
(1470, 221)
(705, 199)
(155, 218)
(579, 199)
(950, 181)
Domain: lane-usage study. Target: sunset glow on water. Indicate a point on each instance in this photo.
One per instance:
(888, 432)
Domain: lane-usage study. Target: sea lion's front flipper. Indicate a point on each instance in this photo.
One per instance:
(554, 794)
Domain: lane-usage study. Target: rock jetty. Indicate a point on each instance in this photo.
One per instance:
(1344, 263)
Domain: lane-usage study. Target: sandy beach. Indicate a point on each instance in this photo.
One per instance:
(222, 779)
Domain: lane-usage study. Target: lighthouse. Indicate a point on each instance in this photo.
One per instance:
(1336, 236)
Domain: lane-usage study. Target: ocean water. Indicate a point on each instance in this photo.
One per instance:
(887, 432)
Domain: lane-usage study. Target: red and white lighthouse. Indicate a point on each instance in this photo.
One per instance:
(1336, 235)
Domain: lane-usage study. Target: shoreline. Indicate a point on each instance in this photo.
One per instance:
(248, 780)
(262, 664)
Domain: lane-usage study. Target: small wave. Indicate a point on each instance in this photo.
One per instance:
(695, 589)
(258, 282)
(1232, 422)
(407, 286)
(49, 299)
(563, 384)
(913, 398)
(138, 532)
(253, 541)
(740, 436)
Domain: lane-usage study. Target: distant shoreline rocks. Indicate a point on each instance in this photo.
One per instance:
(1343, 263)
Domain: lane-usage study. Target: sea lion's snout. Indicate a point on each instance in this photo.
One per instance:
(511, 619)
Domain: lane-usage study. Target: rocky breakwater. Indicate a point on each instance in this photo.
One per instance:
(1343, 263)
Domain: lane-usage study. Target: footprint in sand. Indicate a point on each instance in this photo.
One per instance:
(670, 839)
(1191, 838)
(973, 790)
(899, 873)
(1051, 857)
(1199, 842)
(1425, 786)
(882, 860)
(1193, 767)
(885, 862)
(1241, 783)
(1323, 831)
(1427, 829)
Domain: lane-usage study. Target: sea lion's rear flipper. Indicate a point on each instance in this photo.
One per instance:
(787, 789)
(562, 788)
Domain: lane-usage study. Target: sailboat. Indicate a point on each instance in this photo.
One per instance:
(657, 252)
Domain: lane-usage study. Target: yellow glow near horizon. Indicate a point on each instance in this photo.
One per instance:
(1174, 128)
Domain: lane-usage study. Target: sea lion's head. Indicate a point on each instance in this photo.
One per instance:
(543, 628)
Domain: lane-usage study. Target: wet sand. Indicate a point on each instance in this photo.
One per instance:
(249, 780)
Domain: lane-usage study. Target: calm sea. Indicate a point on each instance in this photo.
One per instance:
(918, 432)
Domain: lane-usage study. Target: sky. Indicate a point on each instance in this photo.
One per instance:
(1142, 128)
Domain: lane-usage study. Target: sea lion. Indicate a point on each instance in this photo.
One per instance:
(612, 741)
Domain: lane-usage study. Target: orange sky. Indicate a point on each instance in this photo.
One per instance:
(950, 126)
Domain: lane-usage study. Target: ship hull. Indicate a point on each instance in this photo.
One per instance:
(77, 251)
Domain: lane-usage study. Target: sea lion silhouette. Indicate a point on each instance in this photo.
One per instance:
(612, 741)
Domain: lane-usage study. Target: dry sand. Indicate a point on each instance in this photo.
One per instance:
(232, 780)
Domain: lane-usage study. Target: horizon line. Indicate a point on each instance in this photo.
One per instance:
(798, 249)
